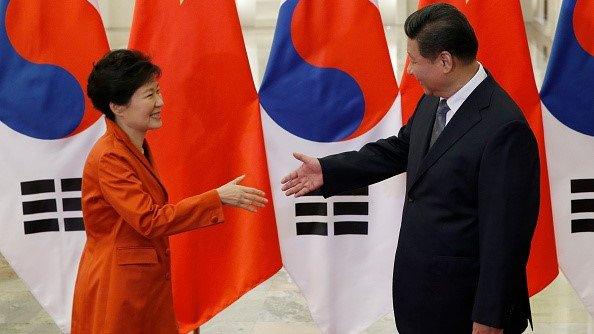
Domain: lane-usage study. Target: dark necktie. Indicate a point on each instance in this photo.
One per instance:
(440, 121)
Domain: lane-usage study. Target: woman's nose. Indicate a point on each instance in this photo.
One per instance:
(159, 102)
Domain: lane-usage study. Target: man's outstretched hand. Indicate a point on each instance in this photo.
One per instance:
(305, 179)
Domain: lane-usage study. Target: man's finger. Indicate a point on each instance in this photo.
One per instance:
(290, 184)
(289, 177)
(301, 157)
(303, 191)
(292, 190)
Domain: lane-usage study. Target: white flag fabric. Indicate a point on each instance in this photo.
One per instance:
(329, 87)
(568, 98)
(47, 127)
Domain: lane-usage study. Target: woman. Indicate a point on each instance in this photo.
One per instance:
(124, 282)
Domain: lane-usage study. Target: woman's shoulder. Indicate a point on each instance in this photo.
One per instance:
(106, 149)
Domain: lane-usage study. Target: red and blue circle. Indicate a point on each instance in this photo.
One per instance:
(568, 87)
(39, 97)
(329, 77)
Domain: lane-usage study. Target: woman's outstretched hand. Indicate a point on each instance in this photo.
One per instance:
(240, 196)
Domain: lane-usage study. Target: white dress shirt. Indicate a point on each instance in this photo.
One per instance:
(455, 101)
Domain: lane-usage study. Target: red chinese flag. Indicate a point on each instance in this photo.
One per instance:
(503, 50)
(211, 134)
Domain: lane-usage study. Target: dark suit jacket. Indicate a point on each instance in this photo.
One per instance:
(470, 211)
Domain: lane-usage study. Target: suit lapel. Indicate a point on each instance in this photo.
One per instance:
(464, 119)
(148, 161)
(421, 135)
(123, 137)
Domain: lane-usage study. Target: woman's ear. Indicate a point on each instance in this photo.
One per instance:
(117, 109)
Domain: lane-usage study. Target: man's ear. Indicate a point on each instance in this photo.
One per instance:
(117, 109)
(446, 61)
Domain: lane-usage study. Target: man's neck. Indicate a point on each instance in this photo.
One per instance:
(461, 78)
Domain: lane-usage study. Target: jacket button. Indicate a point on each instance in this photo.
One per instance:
(166, 251)
(167, 276)
(214, 219)
(411, 198)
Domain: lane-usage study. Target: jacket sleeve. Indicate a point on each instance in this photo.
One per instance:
(508, 204)
(373, 163)
(123, 190)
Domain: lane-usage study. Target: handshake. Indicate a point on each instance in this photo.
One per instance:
(306, 178)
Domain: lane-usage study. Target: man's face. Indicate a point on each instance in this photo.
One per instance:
(430, 74)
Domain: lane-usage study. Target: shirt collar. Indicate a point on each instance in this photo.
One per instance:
(455, 101)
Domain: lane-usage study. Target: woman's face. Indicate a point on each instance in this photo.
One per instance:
(143, 112)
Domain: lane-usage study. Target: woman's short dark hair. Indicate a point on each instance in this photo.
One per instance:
(442, 27)
(116, 77)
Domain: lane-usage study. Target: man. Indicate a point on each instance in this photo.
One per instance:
(472, 190)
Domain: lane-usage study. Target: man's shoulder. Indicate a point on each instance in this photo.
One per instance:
(502, 107)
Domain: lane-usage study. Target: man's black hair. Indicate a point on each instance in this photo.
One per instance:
(442, 27)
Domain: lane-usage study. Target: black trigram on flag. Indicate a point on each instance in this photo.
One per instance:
(314, 213)
(40, 200)
(581, 206)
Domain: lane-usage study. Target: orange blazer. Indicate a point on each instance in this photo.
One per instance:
(124, 281)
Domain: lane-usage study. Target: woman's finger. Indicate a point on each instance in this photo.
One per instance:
(258, 199)
(250, 190)
(254, 196)
(238, 179)
(257, 203)
(249, 208)
(253, 191)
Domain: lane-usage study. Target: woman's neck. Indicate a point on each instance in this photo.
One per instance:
(136, 137)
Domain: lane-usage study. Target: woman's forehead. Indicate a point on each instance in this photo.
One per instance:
(151, 84)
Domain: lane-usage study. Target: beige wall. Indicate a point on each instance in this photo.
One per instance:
(117, 15)
(258, 19)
